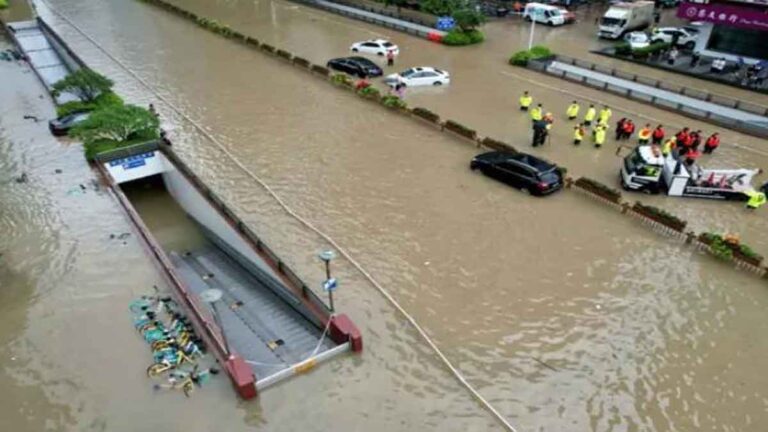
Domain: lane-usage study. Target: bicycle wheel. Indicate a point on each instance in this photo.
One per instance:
(139, 306)
(156, 369)
(188, 387)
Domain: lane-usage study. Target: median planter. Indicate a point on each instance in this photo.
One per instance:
(599, 189)
(268, 48)
(660, 216)
(370, 92)
(322, 70)
(460, 129)
(252, 41)
(426, 114)
(730, 248)
(394, 102)
(342, 80)
(302, 62)
(498, 145)
(284, 54)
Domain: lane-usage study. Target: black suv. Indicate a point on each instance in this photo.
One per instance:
(359, 66)
(520, 170)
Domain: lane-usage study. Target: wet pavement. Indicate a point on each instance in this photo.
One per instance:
(563, 314)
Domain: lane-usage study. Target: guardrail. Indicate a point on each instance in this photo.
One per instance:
(747, 127)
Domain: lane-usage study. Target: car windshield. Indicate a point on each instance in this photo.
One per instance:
(555, 12)
(388, 44)
(637, 38)
(610, 22)
(636, 164)
(408, 73)
(439, 71)
(549, 177)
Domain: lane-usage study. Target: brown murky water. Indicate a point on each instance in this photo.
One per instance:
(563, 314)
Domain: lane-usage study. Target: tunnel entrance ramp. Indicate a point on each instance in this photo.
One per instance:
(268, 333)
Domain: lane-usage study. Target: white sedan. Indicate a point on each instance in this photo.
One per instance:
(375, 46)
(637, 40)
(419, 76)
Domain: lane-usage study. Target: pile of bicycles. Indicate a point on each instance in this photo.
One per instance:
(176, 350)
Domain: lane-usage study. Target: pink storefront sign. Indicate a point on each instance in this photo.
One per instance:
(734, 16)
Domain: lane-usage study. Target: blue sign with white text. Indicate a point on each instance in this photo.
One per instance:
(134, 161)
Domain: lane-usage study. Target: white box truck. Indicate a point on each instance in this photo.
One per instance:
(622, 18)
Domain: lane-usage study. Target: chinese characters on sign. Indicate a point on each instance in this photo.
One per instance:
(734, 16)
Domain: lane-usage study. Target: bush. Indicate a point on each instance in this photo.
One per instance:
(441, 7)
(727, 250)
(102, 101)
(3, 4)
(322, 70)
(393, 102)
(268, 48)
(468, 19)
(461, 129)
(622, 49)
(284, 54)
(370, 92)
(458, 37)
(426, 114)
(299, 61)
(598, 188)
(642, 53)
(252, 41)
(342, 80)
(498, 145)
(521, 58)
(660, 215)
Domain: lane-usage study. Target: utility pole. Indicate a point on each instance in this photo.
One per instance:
(330, 283)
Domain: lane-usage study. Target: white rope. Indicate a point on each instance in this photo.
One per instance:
(463, 381)
(322, 337)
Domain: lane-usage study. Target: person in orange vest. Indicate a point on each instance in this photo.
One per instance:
(644, 135)
(658, 135)
(712, 143)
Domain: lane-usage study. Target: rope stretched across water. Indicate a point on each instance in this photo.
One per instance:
(456, 373)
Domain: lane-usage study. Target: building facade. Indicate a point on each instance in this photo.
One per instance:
(732, 29)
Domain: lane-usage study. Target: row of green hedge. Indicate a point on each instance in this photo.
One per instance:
(728, 250)
(3, 4)
(460, 129)
(457, 37)
(660, 215)
(599, 189)
(521, 58)
(102, 101)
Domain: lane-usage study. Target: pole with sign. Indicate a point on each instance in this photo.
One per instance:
(330, 283)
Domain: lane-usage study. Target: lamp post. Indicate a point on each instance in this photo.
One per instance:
(330, 283)
(533, 28)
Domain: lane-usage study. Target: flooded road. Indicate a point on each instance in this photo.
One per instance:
(563, 314)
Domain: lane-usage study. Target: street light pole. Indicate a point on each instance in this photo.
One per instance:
(330, 284)
(533, 28)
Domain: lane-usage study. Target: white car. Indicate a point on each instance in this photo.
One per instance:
(375, 46)
(685, 38)
(637, 40)
(419, 76)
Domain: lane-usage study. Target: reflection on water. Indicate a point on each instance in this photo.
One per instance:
(565, 315)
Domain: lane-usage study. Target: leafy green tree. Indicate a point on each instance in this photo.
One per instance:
(85, 84)
(468, 19)
(442, 7)
(118, 123)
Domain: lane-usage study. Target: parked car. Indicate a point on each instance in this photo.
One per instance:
(685, 38)
(62, 125)
(694, 27)
(358, 66)
(569, 16)
(637, 40)
(375, 46)
(524, 171)
(543, 13)
(420, 76)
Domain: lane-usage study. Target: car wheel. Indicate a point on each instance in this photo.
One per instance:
(437, 83)
(355, 50)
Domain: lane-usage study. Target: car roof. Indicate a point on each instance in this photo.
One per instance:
(532, 161)
(361, 60)
(378, 41)
(424, 69)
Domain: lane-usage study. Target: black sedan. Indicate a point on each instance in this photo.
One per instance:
(62, 125)
(358, 66)
(520, 170)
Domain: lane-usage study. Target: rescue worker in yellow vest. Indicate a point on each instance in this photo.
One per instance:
(578, 134)
(756, 199)
(525, 101)
(644, 135)
(669, 145)
(605, 115)
(536, 113)
(573, 111)
(589, 117)
(600, 135)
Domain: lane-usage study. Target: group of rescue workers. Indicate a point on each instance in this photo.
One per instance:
(685, 143)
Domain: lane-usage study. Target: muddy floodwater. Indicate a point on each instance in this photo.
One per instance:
(563, 314)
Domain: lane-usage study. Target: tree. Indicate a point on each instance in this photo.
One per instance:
(118, 123)
(442, 7)
(83, 83)
(468, 19)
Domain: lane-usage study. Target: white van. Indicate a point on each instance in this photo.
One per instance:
(545, 14)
